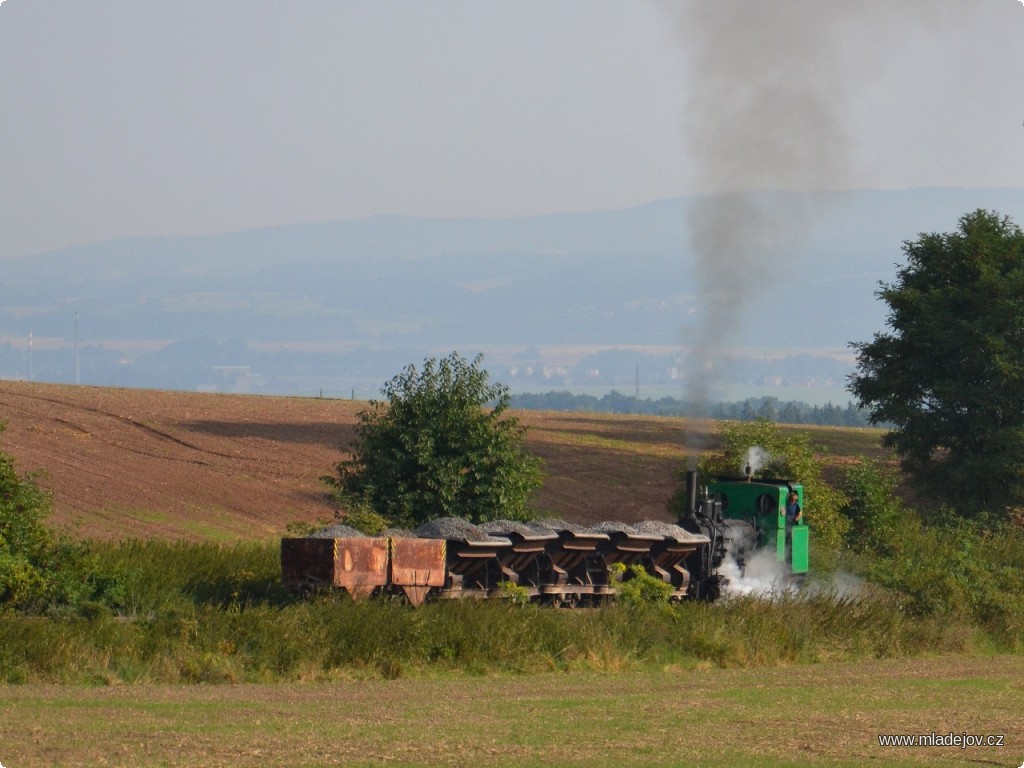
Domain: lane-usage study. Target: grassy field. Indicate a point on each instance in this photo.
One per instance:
(811, 715)
(194, 656)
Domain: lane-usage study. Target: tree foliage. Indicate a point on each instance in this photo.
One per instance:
(874, 508)
(767, 407)
(37, 568)
(440, 445)
(949, 374)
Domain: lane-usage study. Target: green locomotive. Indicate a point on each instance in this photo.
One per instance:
(741, 516)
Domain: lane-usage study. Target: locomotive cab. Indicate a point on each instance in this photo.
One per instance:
(762, 503)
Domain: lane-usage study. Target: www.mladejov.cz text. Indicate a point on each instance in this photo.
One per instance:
(933, 739)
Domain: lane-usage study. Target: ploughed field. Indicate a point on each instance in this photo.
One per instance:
(133, 463)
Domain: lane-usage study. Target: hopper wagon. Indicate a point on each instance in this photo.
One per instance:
(556, 562)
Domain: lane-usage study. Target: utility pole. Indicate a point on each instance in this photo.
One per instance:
(636, 390)
(30, 355)
(78, 362)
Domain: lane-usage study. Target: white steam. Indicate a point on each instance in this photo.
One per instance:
(762, 575)
(757, 458)
(841, 584)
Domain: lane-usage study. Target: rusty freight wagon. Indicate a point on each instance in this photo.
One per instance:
(553, 561)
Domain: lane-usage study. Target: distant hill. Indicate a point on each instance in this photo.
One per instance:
(344, 304)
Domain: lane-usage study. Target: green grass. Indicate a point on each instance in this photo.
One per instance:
(818, 715)
(209, 613)
(197, 656)
(207, 524)
(225, 635)
(848, 442)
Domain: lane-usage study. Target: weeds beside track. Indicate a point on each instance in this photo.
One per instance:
(215, 613)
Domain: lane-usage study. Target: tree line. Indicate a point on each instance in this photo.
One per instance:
(751, 409)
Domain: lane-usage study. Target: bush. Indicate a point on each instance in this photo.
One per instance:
(873, 508)
(950, 569)
(440, 445)
(37, 568)
(635, 586)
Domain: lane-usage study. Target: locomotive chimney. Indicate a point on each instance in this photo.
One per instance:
(691, 491)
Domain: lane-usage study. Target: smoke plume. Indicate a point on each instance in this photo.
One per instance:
(768, 103)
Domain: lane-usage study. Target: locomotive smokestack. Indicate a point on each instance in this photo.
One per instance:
(691, 491)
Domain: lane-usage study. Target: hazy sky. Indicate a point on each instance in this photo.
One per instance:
(122, 118)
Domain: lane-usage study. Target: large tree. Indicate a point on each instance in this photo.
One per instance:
(948, 375)
(439, 445)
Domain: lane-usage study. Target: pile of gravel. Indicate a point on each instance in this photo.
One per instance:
(577, 529)
(557, 524)
(337, 531)
(451, 528)
(613, 526)
(505, 527)
(668, 530)
(455, 528)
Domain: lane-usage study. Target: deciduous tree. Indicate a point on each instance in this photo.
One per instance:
(440, 444)
(948, 375)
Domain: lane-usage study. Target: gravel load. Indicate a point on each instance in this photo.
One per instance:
(451, 528)
(505, 527)
(668, 530)
(398, 533)
(556, 524)
(612, 526)
(337, 531)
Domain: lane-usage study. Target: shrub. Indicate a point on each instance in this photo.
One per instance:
(37, 568)
(440, 445)
(635, 586)
(873, 508)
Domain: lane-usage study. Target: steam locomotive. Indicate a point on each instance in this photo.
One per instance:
(556, 562)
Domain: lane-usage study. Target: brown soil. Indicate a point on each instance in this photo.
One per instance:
(130, 463)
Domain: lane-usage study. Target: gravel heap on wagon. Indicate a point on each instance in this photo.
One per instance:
(613, 526)
(455, 528)
(526, 530)
(336, 531)
(668, 530)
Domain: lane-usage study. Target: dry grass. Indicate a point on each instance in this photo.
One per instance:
(824, 715)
